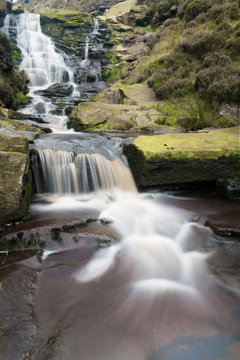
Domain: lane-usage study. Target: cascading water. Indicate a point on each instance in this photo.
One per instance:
(40, 60)
(63, 172)
(57, 171)
(86, 49)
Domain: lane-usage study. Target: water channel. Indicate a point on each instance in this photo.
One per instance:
(121, 275)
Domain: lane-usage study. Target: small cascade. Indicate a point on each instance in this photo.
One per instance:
(95, 26)
(63, 172)
(86, 48)
(43, 64)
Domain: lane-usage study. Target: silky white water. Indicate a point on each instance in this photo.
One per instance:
(43, 64)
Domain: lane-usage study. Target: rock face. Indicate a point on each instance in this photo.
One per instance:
(15, 178)
(184, 157)
(118, 108)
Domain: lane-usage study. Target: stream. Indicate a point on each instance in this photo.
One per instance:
(108, 273)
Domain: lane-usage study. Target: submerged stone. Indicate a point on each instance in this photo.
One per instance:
(229, 188)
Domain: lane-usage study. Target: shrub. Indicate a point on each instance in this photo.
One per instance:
(222, 12)
(233, 47)
(171, 87)
(219, 84)
(203, 43)
(190, 9)
(199, 116)
(196, 7)
(216, 58)
(6, 94)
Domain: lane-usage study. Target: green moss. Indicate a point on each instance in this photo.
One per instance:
(16, 54)
(13, 143)
(112, 57)
(21, 99)
(68, 18)
(212, 145)
(114, 73)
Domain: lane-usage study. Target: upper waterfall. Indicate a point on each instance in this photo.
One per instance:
(44, 65)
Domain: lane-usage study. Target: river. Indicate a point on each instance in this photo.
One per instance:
(120, 275)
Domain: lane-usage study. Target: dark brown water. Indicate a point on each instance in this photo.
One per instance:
(91, 299)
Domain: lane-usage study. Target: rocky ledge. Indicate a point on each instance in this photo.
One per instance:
(15, 174)
(120, 107)
(184, 158)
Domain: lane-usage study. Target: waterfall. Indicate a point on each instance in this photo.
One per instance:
(63, 172)
(43, 64)
(56, 170)
(86, 48)
(95, 26)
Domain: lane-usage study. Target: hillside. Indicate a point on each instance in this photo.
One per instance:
(191, 60)
(90, 6)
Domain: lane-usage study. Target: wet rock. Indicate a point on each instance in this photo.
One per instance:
(40, 108)
(68, 110)
(35, 118)
(57, 112)
(229, 188)
(106, 221)
(57, 90)
(19, 128)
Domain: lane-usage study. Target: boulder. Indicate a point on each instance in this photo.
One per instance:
(137, 16)
(57, 90)
(13, 143)
(15, 186)
(17, 128)
(184, 158)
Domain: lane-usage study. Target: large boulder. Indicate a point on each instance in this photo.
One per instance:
(15, 178)
(13, 143)
(118, 108)
(184, 158)
(15, 186)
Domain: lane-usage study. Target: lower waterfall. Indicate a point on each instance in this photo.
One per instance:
(63, 172)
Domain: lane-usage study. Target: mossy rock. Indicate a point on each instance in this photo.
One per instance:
(68, 18)
(13, 143)
(15, 186)
(183, 158)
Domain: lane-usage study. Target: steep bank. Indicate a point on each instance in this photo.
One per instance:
(184, 158)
